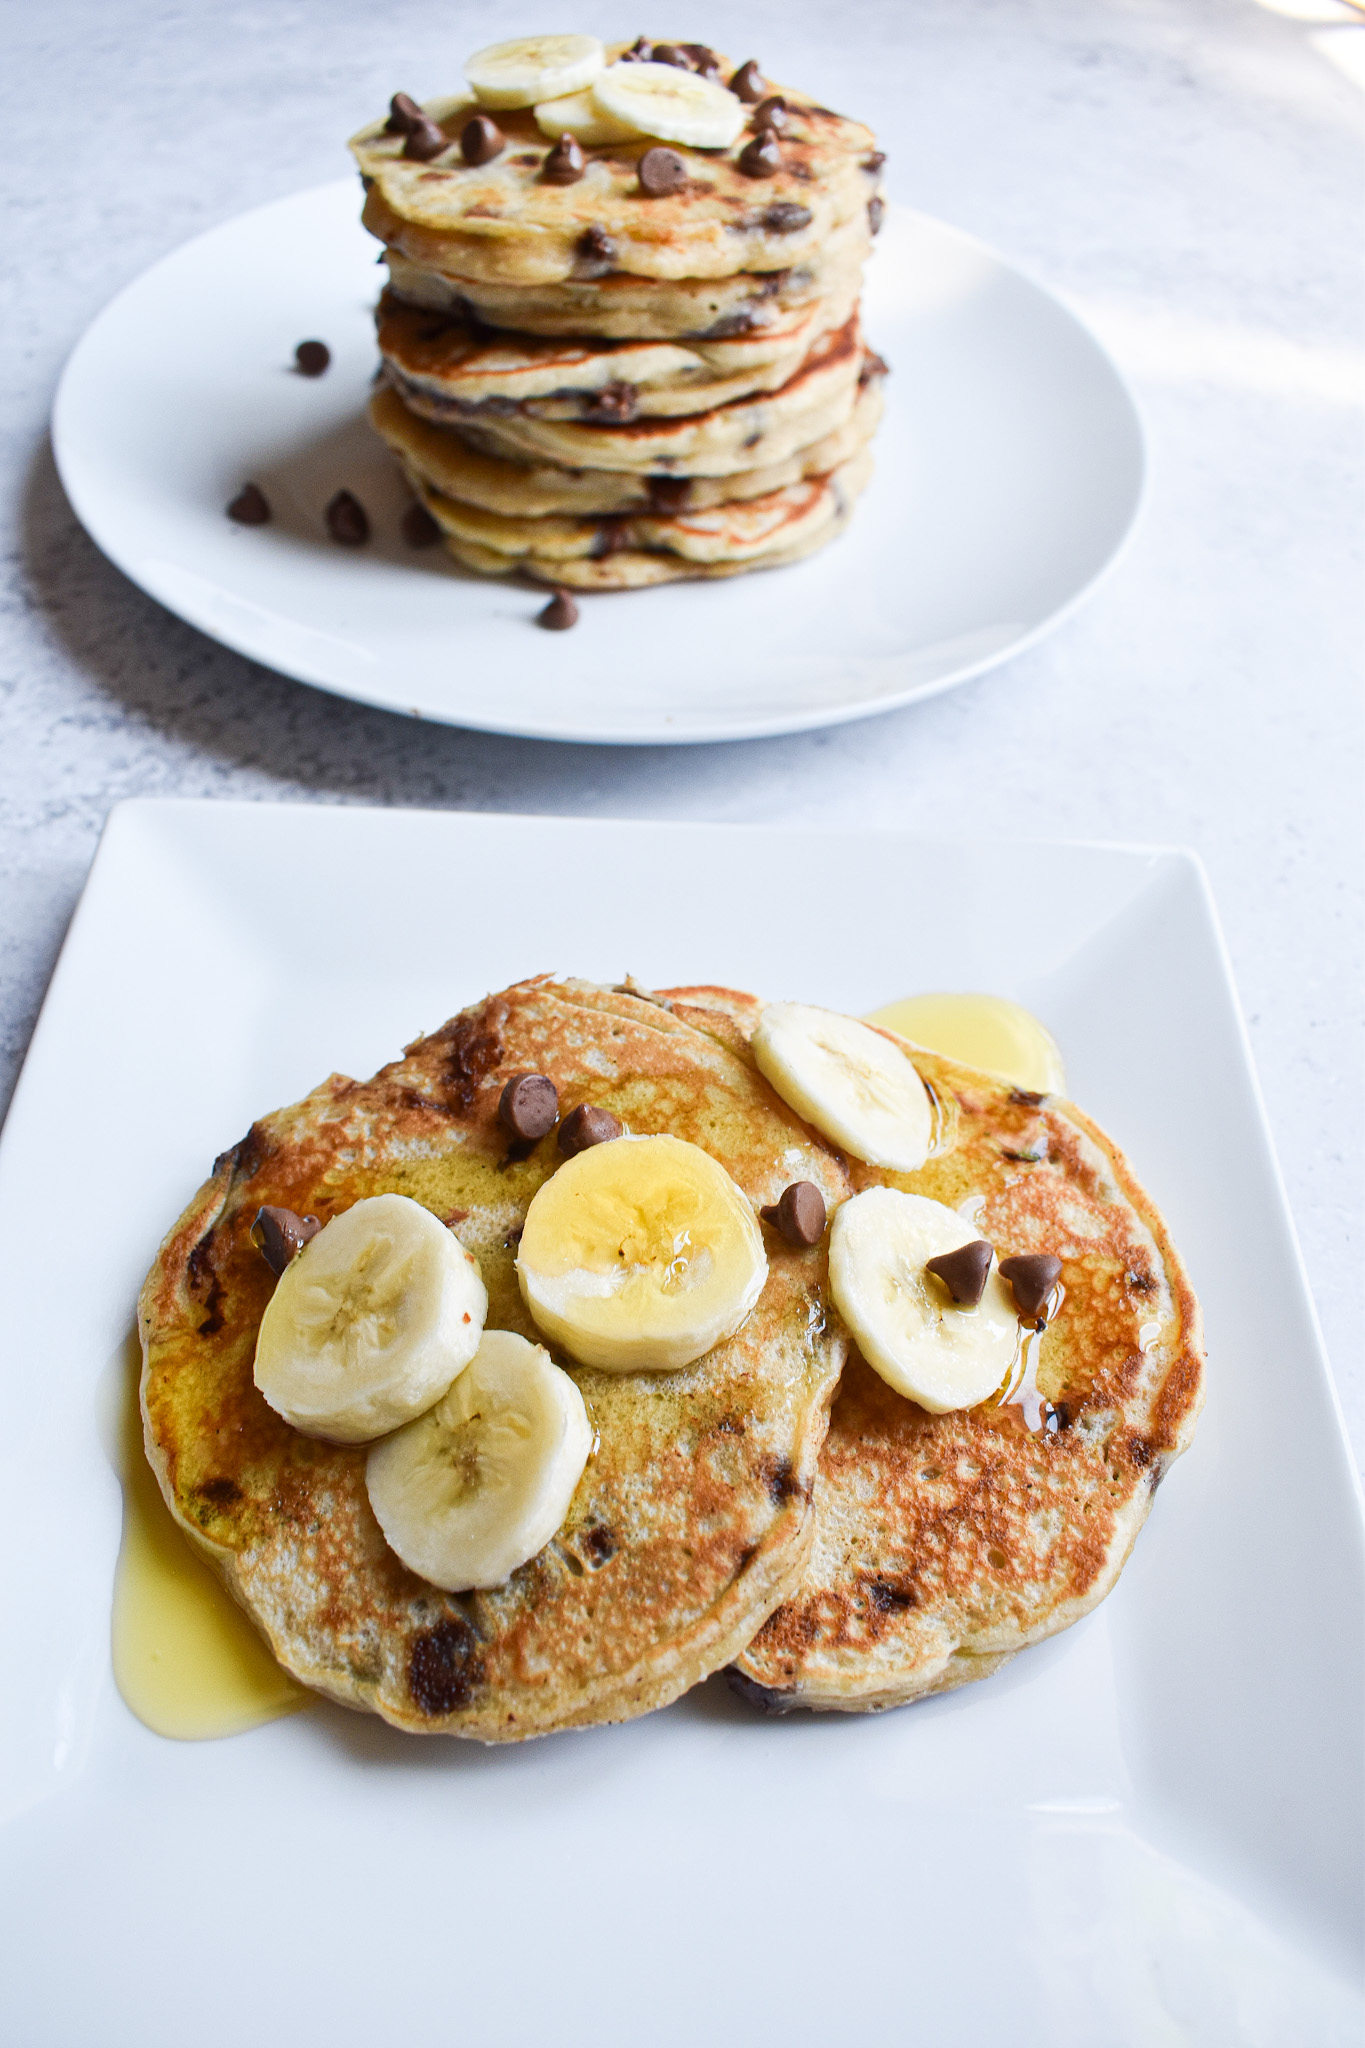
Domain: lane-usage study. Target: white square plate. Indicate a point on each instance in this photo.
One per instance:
(1146, 1830)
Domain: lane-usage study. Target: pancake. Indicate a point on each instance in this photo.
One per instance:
(609, 303)
(692, 1519)
(946, 1543)
(440, 457)
(467, 371)
(644, 548)
(501, 222)
(749, 433)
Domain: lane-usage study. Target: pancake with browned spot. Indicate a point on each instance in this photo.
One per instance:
(692, 1519)
(945, 1543)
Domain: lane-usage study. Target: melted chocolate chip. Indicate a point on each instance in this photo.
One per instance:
(559, 614)
(529, 1106)
(444, 1666)
(761, 158)
(873, 365)
(311, 358)
(565, 164)
(874, 162)
(419, 528)
(964, 1272)
(771, 114)
(876, 210)
(1032, 1277)
(347, 520)
(425, 140)
(785, 218)
(596, 252)
(587, 1125)
(749, 84)
(669, 493)
(765, 1697)
(404, 115)
(250, 507)
(616, 404)
(481, 140)
(798, 1213)
(662, 171)
(279, 1235)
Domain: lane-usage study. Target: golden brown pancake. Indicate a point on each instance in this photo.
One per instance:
(503, 222)
(692, 1519)
(945, 1543)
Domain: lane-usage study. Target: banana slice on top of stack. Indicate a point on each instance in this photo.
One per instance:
(666, 210)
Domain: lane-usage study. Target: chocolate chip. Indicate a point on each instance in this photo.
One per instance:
(455, 1216)
(529, 1106)
(481, 140)
(749, 84)
(596, 252)
(311, 358)
(1032, 1276)
(641, 51)
(669, 53)
(279, 1235)
(669, 493)
(419, 528)
(250, 507)
(785, 218)
(704, 59)
(404, 115)
(662, 171)
(771, 114)
(587, 1125)
(761, 158)
(873, 366)
(609, 539)
(347, 521)
(963, 1272)
(875, 161)
(559, 614)
(616, 403)
(565, 163)
(798, 1213)
(425, 140)
(876, 210)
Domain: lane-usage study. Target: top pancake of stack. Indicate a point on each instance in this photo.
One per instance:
(724, 253)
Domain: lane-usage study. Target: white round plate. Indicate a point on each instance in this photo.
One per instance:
(1009, 471)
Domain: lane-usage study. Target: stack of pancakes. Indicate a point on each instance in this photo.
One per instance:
(846, 1560)
(605, 385)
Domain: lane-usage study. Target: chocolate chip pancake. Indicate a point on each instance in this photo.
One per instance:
(503, 221)
(440, 458)
(618, 307)
(459, 369)
(947, 1542)
(692, 1519)
(636, 550)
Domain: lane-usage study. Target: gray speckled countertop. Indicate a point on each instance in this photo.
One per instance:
(1187, 171)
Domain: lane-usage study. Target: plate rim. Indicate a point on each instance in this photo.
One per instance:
(771, 726)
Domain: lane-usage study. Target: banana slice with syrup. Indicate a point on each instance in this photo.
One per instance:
(639, 1255)
(481, 1482)
(908, 1325)
(532, 68)
(856, 1085)
(671, 104)
(370, 1322)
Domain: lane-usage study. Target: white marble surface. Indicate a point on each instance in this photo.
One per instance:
(1187, 171)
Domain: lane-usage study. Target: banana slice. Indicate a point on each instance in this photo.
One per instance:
(674, 105)
(370, 1323)
(857, 1087)
(579, 115)
(639, 1255)
(904, 1320)
(479, 1484)
(532, 68)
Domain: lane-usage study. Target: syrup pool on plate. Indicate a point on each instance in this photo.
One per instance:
(186, 1659)
(989, 1032)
